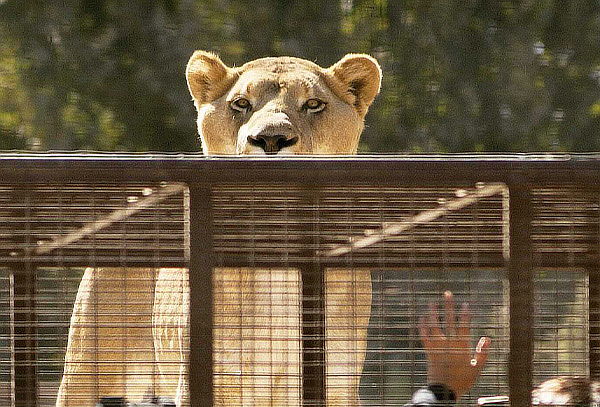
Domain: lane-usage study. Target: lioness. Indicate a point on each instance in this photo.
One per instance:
(125, 317)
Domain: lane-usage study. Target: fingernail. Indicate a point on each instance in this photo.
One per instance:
(483, 342)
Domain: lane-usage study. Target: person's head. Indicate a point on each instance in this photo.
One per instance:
(567, 391)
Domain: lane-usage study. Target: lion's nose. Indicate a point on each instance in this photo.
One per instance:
(272, 144)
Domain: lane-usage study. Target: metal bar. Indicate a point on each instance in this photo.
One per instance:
(520, 277)
(201, 297)
(23, 314)
(23, 336)
(594, 320)
(365, 262)
(313, 336)
(313, 308)
(82, 261)
(494, 259)
(549, 260)
(406, 170)
(594, 308)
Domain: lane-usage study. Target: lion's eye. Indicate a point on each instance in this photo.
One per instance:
(240, 104)
(314, 105)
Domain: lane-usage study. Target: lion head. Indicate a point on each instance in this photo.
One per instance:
(282, 105)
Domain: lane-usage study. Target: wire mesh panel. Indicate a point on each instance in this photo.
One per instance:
(375, 257)
(562, 326)
(55, 292)
(5, 336)
(83, 261)
(92, 224)
(396, 364)
(565, 238)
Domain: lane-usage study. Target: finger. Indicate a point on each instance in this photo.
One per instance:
(423, 328)
(450, 317)
(424, 331)
(434, 321)
(481, 354)
(464, 321)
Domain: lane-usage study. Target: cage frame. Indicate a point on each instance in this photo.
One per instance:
(519, 172)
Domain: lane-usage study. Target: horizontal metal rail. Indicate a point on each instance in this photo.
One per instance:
(384, 170)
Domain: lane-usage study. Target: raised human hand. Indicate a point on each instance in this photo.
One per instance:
(450, 360)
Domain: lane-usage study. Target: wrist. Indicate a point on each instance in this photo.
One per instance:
(442, 392)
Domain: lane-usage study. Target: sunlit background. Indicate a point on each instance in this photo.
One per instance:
(459, 75)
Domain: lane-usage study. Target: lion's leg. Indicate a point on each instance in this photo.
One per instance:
(256, 336)
(348, 309)
(171, 333)
(110, 350)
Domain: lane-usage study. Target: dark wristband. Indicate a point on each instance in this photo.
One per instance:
(442, 392)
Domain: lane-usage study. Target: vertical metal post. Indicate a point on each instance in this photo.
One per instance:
(594, 319)
(23, 335)
(313, 310)
(520, 277)
(200, 370)
(23, 309)
(593, 269)
(313, 335)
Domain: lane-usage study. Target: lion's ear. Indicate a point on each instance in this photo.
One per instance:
(207, 76)
(360, 76)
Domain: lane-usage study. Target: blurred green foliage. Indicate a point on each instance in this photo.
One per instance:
(459, 75)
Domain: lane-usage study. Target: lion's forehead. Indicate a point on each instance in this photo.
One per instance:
(281, 65)
(300, 82)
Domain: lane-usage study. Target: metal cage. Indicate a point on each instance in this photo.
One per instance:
(516, 236)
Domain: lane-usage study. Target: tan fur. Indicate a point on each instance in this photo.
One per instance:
(277, 89)
(257, 325)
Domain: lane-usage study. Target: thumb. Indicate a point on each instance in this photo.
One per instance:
(481, 354)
